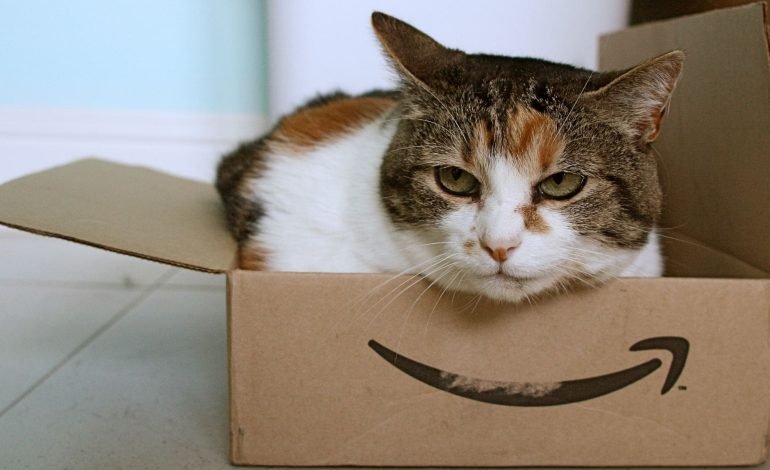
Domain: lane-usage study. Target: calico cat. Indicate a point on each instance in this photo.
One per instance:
(506, 177)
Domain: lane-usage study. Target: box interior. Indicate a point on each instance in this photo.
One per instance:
(714, 147)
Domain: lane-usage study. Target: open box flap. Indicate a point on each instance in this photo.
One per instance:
(130, 210)
(715, 143)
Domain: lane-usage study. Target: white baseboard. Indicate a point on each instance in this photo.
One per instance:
(186, 144)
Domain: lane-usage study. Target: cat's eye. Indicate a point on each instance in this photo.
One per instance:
(457, 181)
(561, 185)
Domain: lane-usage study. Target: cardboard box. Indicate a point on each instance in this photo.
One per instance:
(645, 11)
(354, 369)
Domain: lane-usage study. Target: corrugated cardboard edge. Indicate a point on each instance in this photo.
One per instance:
(766, 382)
(234, 424)
(113, 249)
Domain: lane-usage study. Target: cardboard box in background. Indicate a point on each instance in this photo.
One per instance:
(356, 369)
(714, 151)
(646, 11)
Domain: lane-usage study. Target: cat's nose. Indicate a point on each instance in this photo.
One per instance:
(499, 251)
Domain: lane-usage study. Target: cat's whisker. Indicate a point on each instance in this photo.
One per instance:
(478, 301)
(412, 281)
(684, 241)
(594, 281)
(359, 302)
(447, 269)
(575, 274)
(594, 254)
(430, 147)
(451, 116)
(459, 283)
(415, 279)
(566, 118)
(408, 270)
(448, 286)
(564, 286)
(431, 263)
(576, 264)
(431, 244)
(470, 307)
(448, 132)
(665, 228)
(665, 175)
(466, 307)
(579, 139)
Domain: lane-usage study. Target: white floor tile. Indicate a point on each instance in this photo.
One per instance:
(41, 326)
(188, 278)
(28, 258)
(6, 232)
(151, 392)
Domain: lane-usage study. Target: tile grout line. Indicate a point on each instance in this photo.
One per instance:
(151, 289)
(102, 285)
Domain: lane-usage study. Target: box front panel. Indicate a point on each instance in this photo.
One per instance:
(357, 369)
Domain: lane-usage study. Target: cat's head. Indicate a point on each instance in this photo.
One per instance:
(518, 176)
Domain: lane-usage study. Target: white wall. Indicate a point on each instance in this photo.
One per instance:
(188, 144)
(318, 46)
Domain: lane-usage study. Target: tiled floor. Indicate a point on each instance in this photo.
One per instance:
(108, 361)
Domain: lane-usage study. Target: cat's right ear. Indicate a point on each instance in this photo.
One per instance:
(640, 96)
(415, 55)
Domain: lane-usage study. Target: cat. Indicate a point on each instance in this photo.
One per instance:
(506, 177)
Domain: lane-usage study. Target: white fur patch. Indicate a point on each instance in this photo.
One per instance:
(322, 210)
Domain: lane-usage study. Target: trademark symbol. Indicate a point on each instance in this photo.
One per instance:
(682, 387)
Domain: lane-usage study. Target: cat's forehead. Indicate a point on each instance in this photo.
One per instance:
(524, 111)
(496, 79)
(524, 138)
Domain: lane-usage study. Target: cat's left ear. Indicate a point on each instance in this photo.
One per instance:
(638, 98)
(415, 55)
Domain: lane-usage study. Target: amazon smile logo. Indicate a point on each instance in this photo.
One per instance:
(544, 393)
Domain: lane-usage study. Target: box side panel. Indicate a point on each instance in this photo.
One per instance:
(715, 142)
(129, 210)
(309, 389)
(686, 257)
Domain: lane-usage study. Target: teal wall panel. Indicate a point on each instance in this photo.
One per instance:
(168, 55)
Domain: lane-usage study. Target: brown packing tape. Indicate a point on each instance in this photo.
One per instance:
(715, 142)
(129, 210)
